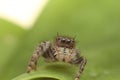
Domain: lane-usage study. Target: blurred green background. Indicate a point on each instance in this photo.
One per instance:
(96, 25)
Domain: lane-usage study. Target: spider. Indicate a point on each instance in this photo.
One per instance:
(62, 49)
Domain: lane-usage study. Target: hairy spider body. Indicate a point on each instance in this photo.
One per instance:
(63, 49)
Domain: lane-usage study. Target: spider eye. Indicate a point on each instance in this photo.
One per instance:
(63, 40)
(68, 41)
(72, 40)
(58, 38)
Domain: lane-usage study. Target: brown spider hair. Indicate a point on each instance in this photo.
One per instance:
(64, 41)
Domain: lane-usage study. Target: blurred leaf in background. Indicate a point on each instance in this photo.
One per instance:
(96, 25)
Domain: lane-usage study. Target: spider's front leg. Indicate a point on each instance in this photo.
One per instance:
(82, 61)
(40, 50)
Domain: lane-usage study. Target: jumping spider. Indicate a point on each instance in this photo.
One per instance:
(63, 49)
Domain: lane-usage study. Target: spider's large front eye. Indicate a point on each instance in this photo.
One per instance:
(68, 41)
(63, 40)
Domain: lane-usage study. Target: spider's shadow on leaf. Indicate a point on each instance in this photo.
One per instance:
(62, 69)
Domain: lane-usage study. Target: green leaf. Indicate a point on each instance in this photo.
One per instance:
(52, 71)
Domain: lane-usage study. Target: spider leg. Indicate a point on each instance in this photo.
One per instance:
(41, 49)
(82, 61)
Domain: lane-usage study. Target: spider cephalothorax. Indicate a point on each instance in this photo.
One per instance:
(62, 41)
(62, 49)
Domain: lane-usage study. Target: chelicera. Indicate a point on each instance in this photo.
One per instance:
(62, 49)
